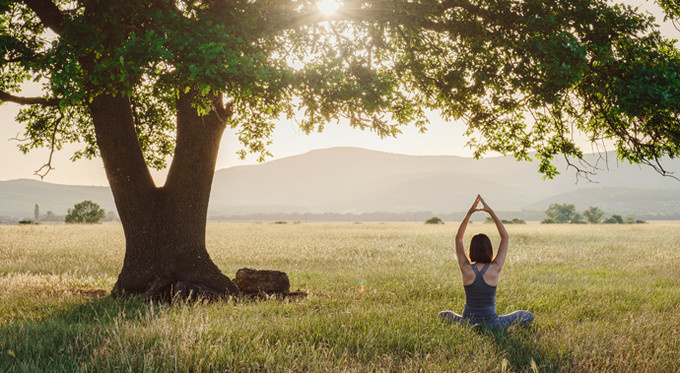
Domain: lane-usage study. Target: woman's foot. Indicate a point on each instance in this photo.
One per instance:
(449, 316)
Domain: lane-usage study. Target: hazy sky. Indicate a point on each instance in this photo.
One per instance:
(441, 139)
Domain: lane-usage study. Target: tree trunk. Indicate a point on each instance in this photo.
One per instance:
(165, 253)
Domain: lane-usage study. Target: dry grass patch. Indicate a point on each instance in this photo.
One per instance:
(605, 299)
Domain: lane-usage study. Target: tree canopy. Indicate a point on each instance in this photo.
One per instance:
(525, 76)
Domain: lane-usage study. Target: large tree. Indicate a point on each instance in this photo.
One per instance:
(136, 81)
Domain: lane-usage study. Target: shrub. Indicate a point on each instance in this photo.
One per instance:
(434, 221)
(576, 218)
(511, 221)
(615, 218)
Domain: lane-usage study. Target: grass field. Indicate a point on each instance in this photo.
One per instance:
(605, 297)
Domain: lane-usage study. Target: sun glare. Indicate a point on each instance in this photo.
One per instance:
(328, 7)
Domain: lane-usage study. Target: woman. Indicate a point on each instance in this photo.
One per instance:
(480, 277)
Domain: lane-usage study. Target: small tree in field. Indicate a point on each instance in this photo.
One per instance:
(593, 214)
(85, 212)
(561, 213)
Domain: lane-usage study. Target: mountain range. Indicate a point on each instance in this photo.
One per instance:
(354, 180)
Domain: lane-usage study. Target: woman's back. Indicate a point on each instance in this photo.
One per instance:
(480, 298)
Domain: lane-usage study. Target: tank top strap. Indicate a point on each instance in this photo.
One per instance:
(480, 272)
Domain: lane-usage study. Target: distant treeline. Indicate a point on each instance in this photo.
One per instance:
(48, 217)
(419, 216)
(360, 217)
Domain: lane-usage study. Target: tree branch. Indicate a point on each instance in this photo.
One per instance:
(49, 14)
(48, 165)
(4, 96)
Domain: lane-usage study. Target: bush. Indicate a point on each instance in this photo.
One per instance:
(434, 221)
(512, 221)
(633, 220)
(508, 221)
(548, 220)
(615, 218)
(576, 218)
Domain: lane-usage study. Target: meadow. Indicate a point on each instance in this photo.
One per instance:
(606, 299)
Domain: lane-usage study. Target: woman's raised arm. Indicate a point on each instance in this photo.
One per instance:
(463, 261)
(502, 253)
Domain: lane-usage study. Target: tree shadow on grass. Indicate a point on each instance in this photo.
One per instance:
(66, 339)
(523, 350)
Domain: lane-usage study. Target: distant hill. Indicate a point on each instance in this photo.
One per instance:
(18, 197)
(358, 181)
(353, 180)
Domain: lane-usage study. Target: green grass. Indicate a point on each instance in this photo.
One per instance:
(605, 297)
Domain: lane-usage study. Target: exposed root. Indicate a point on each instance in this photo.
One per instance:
(290, 296)
(248, 284)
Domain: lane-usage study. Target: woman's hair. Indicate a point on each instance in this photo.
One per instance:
(480, 249)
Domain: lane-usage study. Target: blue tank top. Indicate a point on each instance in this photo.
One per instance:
(480, 298)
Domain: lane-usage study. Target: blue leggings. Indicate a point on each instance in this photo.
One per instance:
(520, 317)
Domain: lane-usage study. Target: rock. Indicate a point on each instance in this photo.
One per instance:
(251, 281)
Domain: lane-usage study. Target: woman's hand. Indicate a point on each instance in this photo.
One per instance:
(474, 208)
(485, 206)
